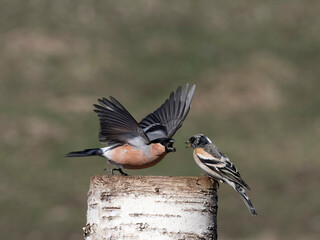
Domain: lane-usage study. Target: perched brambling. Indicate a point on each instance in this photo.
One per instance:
(134, 145)
(218, 166)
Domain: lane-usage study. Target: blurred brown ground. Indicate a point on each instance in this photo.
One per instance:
(256, 66)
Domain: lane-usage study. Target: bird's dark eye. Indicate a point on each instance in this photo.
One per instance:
(203, 140)
(192, 139)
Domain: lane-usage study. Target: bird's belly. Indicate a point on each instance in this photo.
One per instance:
(132, 158)
(205, 168)
(145, 163)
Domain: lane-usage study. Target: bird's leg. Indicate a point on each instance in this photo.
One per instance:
(120, 171)
(216, 182)
(114, 169)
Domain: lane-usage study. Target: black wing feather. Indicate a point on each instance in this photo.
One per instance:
(232, 173)
(116, 124)
(168, 118)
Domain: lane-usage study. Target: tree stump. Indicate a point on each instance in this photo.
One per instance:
(151, 207)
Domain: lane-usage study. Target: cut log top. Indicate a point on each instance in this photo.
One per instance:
(149, 184)
(151, 207)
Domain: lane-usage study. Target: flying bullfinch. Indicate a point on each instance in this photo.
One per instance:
(133, 145)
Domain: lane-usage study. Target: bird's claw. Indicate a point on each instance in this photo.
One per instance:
(120, 171)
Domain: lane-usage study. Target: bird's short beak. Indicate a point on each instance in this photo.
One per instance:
(169, 146)
(188, 144)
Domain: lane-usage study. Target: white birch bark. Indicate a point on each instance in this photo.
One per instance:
(151, 207)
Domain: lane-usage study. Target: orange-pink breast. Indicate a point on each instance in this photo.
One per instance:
(133, 158)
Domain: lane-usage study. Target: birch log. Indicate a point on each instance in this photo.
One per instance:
(151, 207)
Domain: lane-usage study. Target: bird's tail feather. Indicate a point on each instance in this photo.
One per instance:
(245, 198)
(86, 153)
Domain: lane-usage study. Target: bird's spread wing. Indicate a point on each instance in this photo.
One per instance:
(116, 124)
(168, 118)
(221, 165)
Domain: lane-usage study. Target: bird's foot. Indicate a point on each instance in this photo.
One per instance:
(120, 171)
(215, 182)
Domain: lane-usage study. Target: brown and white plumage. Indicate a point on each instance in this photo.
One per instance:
(134, 145)
(218, 166)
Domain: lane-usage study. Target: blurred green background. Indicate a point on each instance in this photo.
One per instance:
(256, 66)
